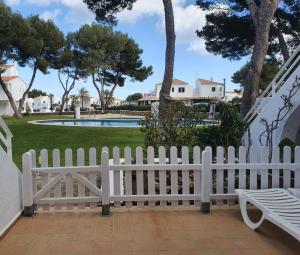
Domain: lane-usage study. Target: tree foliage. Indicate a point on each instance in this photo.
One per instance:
(230, 32)
(134, 97)
(39, 48)
(110, 57)
(106, 11)
(36, 93)
(269, 70)
(70, 64)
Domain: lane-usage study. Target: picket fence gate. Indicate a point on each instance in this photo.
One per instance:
(185, 178)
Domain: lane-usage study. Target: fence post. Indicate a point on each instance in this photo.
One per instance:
(206, 181)
(27, 185)
(105, 183)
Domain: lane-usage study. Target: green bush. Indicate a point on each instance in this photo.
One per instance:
(131, 108)
(176, 126)
(228, 133)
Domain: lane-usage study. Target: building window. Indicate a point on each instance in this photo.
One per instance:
(172, 89)
(213, 89)
(221, 89)
(181, 90)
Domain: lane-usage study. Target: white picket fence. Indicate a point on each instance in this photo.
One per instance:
(184, 178)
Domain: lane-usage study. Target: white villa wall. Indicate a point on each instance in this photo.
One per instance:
(187, 93)
(10, 192)
(206, 90)
(16, 86)
(11, 70)
(287, 128)
(41, 104)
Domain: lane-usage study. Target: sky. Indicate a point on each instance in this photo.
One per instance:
(145, 24)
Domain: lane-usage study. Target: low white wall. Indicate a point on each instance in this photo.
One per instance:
(10, 192)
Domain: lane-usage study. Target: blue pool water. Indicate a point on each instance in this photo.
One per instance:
(113, 122)
(120, 122)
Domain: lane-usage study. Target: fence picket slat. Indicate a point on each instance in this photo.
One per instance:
(151, 174)
(140, 175)
(56, 163)
(81, 188)
(117, 175)
(185, 174)
(34, 182)
(264, 158)
(253, 172)
(92, 176)
(45, 177)
(231, 172)
(286, 172)
(69, 178)
(297, 172)
(196, 174)
(162, 174)
(220, 174)
(174, 174)
(128, 175)
(275, 172)
(242, 172)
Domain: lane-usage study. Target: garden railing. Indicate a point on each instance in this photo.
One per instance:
(184, 177)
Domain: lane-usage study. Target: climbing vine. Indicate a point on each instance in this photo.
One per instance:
(283, 111)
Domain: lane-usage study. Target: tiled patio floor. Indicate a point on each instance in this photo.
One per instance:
(147, 232)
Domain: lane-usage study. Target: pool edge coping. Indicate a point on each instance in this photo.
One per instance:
(36, 122)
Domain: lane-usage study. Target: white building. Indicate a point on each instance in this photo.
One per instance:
(230, 95)
(42, 104)
(16, 85)
(182, 91)
(179, 89)
(209, 89)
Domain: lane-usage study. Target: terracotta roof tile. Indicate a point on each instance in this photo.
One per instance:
(8, 78)
(177, 82)
(209, 82)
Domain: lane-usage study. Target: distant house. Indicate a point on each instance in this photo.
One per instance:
(209, 89)
(42, 104)
(180, 91)
(16, 85)
(230, 95)
(205, 91)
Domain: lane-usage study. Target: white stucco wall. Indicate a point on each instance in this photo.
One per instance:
(205, 90)
(188, 91)
(286, 128)
(10, 192)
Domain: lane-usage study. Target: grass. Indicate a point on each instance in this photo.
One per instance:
(37, 137)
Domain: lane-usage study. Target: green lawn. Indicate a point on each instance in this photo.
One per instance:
(37, 137)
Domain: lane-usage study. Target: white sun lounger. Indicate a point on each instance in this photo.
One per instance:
(277, 206)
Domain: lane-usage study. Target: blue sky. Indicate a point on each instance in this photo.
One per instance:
(145, 23)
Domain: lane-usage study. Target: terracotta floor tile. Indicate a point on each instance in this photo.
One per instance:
(145, 231)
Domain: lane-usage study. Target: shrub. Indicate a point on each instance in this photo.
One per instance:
(228, 133)
(131, 107)
(176, 127)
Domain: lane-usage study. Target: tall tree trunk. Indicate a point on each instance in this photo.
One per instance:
(22, 100)
(10, 98)
(63, 101)
(283, 46)
(100, 93)
(164, 96)
(262, 17)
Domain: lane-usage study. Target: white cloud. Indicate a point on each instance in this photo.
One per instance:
(77, 11)
(187, 20)
(50, 15)
(12, 2)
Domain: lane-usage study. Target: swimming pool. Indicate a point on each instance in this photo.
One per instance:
(107, 122)
(113, 122)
